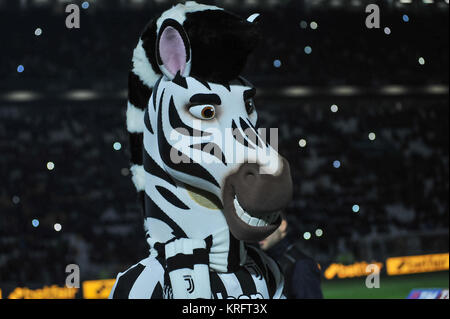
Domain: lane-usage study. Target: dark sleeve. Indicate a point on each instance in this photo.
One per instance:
(305, 280)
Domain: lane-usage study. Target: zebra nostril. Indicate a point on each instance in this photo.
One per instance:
(250, 177)
(249, 173)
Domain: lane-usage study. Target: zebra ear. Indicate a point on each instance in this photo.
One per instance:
(173, 50)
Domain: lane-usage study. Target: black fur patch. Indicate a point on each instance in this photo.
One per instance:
(220, 44)
(180, 80)
(171, 197)
(136, 140)
(148, 38)
(147, 123)
(151, 167)
(155, 92)
(138, 92)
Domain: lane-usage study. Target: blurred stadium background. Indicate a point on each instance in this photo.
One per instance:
(362, 117)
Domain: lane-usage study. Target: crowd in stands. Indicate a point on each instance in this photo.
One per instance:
(98, 54)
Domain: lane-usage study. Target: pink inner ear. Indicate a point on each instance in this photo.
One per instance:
(172, 50)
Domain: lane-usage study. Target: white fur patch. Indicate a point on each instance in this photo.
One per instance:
(157, 228)
(138, 177)
(142, 67)
(179, 11)
(135, 119)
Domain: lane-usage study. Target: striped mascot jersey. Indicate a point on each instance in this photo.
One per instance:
(259, 278)
(189, 162)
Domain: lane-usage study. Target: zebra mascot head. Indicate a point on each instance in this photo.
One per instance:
(202, 167)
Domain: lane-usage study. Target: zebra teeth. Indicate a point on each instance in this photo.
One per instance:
(251, 220)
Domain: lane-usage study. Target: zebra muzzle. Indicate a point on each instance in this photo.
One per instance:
(253, 201)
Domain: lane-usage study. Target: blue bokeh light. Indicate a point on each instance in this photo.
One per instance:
(20, 68)
(308, 49)
(336, 164)
(85, 5)
(355, 208)
(35, 223)
(117, 146)
(277, 63)
(405, 18)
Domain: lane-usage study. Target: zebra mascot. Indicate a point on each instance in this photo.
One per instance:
(208, 181)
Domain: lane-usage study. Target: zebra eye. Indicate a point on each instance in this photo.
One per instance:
(250, 106)
(203, 112)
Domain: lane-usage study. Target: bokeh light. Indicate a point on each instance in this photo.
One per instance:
(85, 5)
(319, 232)
(125, 171)
(336, 164)
(277, 63)
(421, 61)
(57, 227)
(314, 25)
(16, 199)
(372, 136)
(50, 166)
(38, 32)
(307, 235)
(20, 68)
(35, 223)
(355, 208)
(308, 49)
(334, 108)
(117, 146)
(302, 142)
(405, 18)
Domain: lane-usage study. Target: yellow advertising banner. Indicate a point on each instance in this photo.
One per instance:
(52, 292)
(97, 289)
(358, 269)
(416, 264)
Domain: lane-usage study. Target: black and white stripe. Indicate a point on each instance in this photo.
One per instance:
(258, 278)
